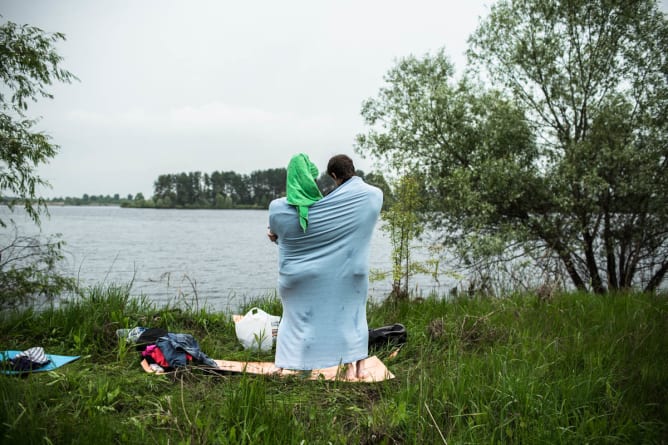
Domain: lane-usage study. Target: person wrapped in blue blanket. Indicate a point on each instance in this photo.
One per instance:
(323, 279)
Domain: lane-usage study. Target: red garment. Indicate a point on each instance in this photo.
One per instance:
(156, 354)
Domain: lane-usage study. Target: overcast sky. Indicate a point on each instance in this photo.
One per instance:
(178, 86)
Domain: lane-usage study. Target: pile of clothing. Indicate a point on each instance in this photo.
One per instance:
(28, 360)
(165, 351)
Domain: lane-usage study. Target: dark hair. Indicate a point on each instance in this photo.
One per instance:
(342, 166)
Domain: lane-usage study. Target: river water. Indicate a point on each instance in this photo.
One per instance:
(221, 257)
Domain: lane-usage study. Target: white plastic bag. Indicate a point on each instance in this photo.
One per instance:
(254, 330)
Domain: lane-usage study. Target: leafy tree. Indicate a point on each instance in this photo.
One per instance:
(241, 193)
(218, 189)
(472, 148)
(378, 180)
(28, 64)
(198, 198)
(164, 190)
(567, 163)
(266, 185)
(593, 78)
(223, 202)
(403, 226)
(28, 269)
(184, 192)
(233, 185)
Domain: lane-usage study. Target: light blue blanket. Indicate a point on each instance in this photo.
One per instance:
(324, 277)
(55, 361)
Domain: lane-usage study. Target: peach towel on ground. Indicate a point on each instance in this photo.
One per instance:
(375, 370)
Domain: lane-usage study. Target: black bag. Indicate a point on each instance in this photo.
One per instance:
(149, 337)
(387, 335)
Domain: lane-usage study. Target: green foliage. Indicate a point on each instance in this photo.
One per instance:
(28, 270)
(28, 64)
(229, 190)
(566, 165)
(472, 149)
(592, 77)
(378, 180)
(567, 370)
(219, 190)
(94, 200)
(404, 226)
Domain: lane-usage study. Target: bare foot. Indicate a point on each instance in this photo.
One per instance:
(356, 371)
(275, 370)
(362, 373)
(351, 371)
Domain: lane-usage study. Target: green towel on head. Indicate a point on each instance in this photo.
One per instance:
(301, 187)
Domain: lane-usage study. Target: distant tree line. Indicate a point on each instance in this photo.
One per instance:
(100, 200)
(230, 190)
(218, 190)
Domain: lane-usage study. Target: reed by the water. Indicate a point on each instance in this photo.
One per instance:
(573, 369)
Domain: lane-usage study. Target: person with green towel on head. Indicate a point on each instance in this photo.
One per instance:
(301, 188)
(323, 246)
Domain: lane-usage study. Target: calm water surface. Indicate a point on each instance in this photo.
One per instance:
(222, 256)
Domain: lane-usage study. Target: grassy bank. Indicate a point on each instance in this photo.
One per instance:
(576, 369)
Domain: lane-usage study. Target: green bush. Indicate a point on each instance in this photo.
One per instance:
(29, 270)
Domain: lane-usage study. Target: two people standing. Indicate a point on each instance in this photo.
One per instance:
(323, 279)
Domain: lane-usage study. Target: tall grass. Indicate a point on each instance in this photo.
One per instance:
(576, 369)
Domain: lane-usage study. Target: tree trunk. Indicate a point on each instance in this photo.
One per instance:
(570, 268)
(623, 261)
(557, 246)
(656, 280)
(592, 267)
(611, 264)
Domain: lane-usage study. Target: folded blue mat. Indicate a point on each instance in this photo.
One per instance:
(56, 361)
